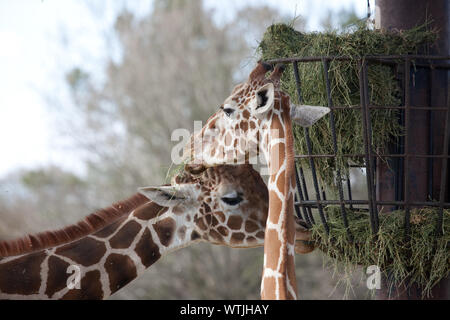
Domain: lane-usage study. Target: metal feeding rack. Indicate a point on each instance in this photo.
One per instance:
(409, 183)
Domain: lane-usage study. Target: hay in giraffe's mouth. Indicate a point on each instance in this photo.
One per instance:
(424, 259)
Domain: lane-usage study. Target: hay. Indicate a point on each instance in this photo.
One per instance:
(282, 41)
(424, 259)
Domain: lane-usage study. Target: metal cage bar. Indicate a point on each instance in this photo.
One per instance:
(335, 149)
(400, 156)
(311, 160)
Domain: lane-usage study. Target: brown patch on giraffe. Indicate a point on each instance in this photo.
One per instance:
(121, 270)
(57, 275)
(223, 231)
(22, 275)
(125, 236)
(274, 248)
(195, 235)
(270, 285)
(221, 216)
(147, 250)
(237, 238)
(290, 222)
(228, 139)
(251, 226)
(234, 222)
(201, 224)
(253, 216)
(251, 240)
(277, 156)
(91, 288)
(149, 211)
(86, 251)
(246, 114)
(281, 182)
(244, 126)
(165, 230)
(216, 236)
(208, 219)
(260, 235)
(275, 206)
(109, 230)
(214, 221)
(178, 209)
(252, 124)
(182, 232)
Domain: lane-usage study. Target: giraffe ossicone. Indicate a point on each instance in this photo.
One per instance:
(257, 119)
(225, 205)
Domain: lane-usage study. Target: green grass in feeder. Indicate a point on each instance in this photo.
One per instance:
(282, 41)
(424, 260)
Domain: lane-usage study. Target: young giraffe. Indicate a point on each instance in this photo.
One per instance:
(257, 116)
(224, 205)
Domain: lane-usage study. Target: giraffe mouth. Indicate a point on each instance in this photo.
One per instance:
(196, 168)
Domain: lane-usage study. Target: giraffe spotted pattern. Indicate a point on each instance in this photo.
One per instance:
(200, 207)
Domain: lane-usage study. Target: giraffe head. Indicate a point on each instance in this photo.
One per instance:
(239, 129)
(225, 204)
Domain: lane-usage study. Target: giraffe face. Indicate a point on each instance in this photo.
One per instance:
(237, 132)
(227, 204)
(232, 134)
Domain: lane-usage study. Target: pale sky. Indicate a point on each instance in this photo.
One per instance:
(34, 58)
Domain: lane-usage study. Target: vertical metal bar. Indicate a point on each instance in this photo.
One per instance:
(444, 169)
(430, 135)
(367, 144)
(305, 188)
(315, 182)
(369, 136)
(324, 195)
(300, 194)
(407, 127)
(311, 160)
(349, 190)
(302, 175)
(333, 133)
(400, 176)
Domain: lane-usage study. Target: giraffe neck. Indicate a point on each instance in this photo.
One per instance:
(98, 264)
(279, 281)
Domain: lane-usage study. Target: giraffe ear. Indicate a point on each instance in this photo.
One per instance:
(164, 195)
(264, 98)
(306, 116)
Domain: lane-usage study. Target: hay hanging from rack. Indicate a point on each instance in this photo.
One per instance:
(424, 259)
(282, 41)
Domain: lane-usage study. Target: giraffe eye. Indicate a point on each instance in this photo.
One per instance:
(232, 199)
(228, 111)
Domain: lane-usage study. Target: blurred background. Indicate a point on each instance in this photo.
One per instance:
(90, 92)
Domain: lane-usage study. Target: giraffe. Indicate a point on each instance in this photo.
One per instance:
(225, 205)
(256, 118)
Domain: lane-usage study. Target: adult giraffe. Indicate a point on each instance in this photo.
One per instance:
(257, 117)
(224, 205)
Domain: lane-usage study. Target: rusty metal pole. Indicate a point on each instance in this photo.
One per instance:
(425, 128)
